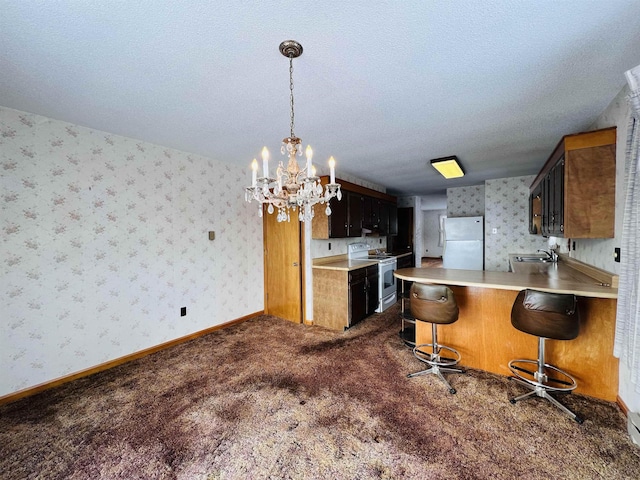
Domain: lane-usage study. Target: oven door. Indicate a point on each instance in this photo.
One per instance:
(387, 280)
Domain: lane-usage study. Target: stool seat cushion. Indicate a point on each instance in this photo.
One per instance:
(433, 303)
(549, 302)
(548, 315)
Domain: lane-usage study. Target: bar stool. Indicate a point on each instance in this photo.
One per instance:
(434, 304)
(545, 315)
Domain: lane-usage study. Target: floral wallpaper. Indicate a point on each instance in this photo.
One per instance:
(465, 201)
(599, 252)
(507, 211)
(104, 239)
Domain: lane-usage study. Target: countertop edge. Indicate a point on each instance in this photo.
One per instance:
(339, 262)
(501, 281)
(345, 265)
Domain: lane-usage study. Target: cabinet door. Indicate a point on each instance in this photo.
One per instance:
(373, 296)
(393, 219)
(355, 215)
(367, 209)
(535, 211)
(384, 217)
(557, 218)
(403, 262)
(375, 213)
(547, 204)
(338, 220)
(357, 296)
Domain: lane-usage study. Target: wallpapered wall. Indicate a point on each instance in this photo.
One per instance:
(465, 201)
(507, 210)
(599, 252)
(104, 238)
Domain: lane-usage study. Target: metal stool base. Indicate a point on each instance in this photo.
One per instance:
(437, 363)
(543, 393)
(542, 379)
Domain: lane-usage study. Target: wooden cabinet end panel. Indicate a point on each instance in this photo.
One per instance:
(590, 188)
(330, 299)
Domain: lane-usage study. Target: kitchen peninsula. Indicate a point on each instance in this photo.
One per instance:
(486, 339)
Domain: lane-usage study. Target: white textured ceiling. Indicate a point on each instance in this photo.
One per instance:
(383, 86)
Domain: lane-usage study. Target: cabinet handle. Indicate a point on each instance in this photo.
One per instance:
(295, 264)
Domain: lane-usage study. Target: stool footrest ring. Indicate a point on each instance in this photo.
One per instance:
(548, 377)
(434, 359)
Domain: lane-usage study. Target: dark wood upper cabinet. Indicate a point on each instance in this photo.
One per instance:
(354, 217)
(360, 209)
(573, 196)
(393, 219)
(383, 223)
(337, 223)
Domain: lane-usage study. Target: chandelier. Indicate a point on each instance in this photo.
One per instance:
(293, 188)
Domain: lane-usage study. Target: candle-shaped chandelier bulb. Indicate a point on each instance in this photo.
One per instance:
(254, 172)
(265, 162)
(293, 188)
(309, 155)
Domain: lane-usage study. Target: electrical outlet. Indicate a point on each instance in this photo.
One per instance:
(183, 311)
(380, 241)
(616, 254)
(573, 246)
(212, 235)
(329, 245)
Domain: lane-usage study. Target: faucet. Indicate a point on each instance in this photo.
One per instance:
(552, 255)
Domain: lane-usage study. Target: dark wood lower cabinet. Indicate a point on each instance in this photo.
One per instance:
(373, 288)
(357, 296)
(363, 293)
(342, 298)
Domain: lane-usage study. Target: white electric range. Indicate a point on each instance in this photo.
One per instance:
(387, 264)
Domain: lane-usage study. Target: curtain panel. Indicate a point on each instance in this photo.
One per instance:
(627, 338)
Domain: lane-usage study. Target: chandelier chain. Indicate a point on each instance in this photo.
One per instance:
(291, 90)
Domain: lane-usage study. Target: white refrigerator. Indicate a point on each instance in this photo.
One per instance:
(463, 243)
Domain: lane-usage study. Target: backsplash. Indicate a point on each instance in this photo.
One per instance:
(466, 201)
(320, 248)
(104, 239)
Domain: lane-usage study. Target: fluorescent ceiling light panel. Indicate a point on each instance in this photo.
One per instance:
(448, 167)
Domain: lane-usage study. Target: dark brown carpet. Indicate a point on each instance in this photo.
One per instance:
(270, 399)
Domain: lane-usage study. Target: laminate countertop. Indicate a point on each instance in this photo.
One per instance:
(341, 262)
(557, 277)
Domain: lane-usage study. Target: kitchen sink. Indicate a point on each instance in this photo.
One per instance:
(532, 259)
